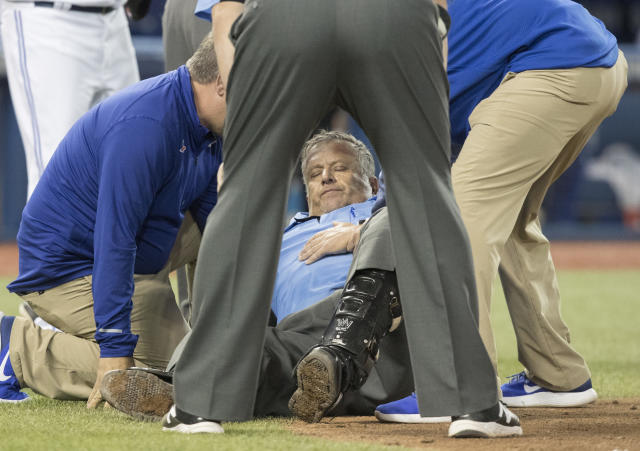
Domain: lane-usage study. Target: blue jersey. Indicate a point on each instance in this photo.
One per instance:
(489, 38)
(299, 285)
(113, 197)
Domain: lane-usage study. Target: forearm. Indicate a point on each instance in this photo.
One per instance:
(223, 15)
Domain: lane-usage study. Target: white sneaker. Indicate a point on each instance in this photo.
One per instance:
(179, 421)
(496, 421)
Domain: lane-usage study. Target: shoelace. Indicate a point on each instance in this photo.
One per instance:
(520, 377)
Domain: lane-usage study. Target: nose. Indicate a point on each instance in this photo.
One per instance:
(327, 176)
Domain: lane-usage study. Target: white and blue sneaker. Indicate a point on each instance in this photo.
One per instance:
(405, 410)
(177, 420)
(9, 386)
(520, 391)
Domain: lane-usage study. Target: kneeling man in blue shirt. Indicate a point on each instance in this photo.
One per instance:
(121, 203)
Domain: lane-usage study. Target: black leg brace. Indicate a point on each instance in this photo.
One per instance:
(368, 310)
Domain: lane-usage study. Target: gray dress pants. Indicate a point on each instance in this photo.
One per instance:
(380, 60)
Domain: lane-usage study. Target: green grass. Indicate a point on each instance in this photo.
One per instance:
(54, 425)
(601, 309)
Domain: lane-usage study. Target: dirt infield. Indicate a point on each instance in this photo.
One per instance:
(566, 255)
(605, 425)
(596, 255)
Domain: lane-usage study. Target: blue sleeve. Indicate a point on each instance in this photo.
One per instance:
(203, 9)
(203, 205)
(380, 201)
(133, 163)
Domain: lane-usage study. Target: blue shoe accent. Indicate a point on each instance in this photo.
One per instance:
(405, 410)
(408, 405)
(520, 391)
(9, 386)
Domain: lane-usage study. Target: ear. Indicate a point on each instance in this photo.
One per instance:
(373, 181)
(220, 88)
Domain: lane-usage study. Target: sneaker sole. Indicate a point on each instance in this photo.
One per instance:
(317, 388)
(139, 394)
(409, 418)
(15, 401)
(480, 429)
(199, 428)
(551, 399)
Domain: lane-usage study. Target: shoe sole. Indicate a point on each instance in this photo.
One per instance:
(15, 401)
(200, 428)
(409, 418)
(139, 394)
(551, 399)
(317, 389)
(480, 429)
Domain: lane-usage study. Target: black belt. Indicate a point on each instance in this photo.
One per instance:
(84, 9)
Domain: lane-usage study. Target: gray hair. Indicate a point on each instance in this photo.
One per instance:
(366, 165)
(203, 65)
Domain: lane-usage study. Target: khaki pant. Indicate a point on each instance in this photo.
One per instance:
(63, 365)
(522, 138)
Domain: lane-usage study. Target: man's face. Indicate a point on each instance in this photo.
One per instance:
(333, 179)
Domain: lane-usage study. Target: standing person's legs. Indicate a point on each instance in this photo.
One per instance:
(119, 64)
(527, 271)
(407, 121)
(281, 84)
(57, 70)
(182, 32)
(517, 135)
(43, 67)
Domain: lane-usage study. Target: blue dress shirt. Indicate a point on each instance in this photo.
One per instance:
(299, 285)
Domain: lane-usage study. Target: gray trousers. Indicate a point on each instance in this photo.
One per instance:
(182, 32)
(381, 60)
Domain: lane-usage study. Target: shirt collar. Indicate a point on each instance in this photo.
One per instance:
(303, 216)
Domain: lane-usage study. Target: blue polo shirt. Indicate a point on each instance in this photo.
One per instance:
(299, 285)
(489, 38)
(203, 8)
(114, 195)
